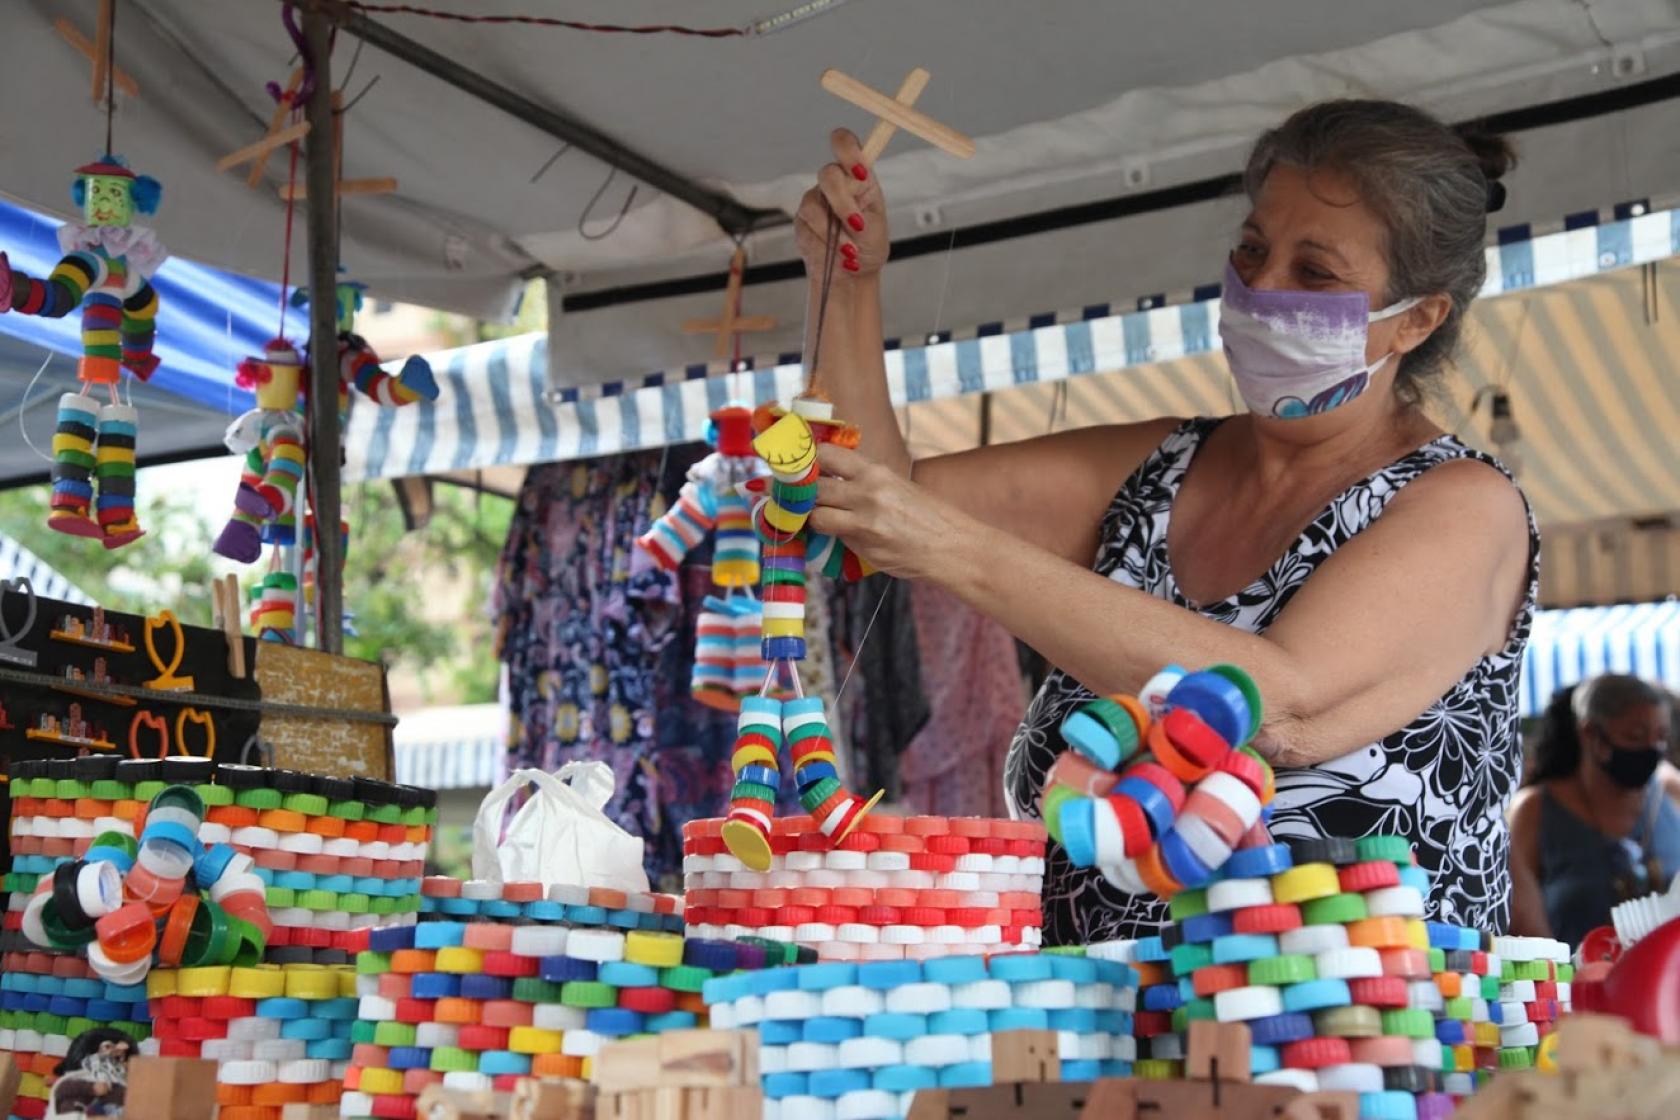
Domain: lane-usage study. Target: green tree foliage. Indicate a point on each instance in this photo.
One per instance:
(419, 600)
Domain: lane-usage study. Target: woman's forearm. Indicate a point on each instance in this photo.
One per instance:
(849, 364)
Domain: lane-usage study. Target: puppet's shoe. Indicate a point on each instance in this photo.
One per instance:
(142, 366)
(5, 285)
(74, 521)
(121, 533)
(417, 378)
(249, 502)
(239, 540)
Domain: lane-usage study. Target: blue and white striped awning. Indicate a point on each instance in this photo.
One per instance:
(1569, 646)
(451, 748)
(16, 560)
(494, 407)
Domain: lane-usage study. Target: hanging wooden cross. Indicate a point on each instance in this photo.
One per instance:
(279, 134)
(731, 323)
(290, 192)
(895, 113)
(97, 51)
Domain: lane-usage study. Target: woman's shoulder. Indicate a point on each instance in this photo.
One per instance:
(1446, 474)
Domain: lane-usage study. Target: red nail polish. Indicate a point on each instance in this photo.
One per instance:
(856, 222)
(849, 265)
(860, 172)
(848, 249)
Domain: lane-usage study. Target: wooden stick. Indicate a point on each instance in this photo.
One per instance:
(275, 120)
(102, 49)
(941, 136)
(914, 83)
(264, 146)
(345, 186)
(230, 625)
(731, 322)
(82, 46)
(745, 325)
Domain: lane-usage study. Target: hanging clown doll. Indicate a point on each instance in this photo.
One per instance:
(106, 270)
(265, 507)
(787, 441)
(727, 663)
(360, 367)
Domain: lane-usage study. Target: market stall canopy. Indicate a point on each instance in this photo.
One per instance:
(1566, 647)
(211, 321)
(1106, 141)
(461, 746)
(18, 562)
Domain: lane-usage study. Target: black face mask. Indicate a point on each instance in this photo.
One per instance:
(1630, 768)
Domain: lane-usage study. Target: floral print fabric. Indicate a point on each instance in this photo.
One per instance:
(599, 646)
(1441, 781)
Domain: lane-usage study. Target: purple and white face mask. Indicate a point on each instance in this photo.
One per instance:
(1296, 353)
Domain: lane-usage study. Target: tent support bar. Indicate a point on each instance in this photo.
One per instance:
(325, 439)
(735, 218)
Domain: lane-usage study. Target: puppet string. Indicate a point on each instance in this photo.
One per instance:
(23, 408)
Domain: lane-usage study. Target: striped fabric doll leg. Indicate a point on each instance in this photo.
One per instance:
(757, 766)
(735, 553)
(118, 425)
(139, 329)
(73, 466)
(241, 537)
(359, 366)
(836, 809)
(284, 472)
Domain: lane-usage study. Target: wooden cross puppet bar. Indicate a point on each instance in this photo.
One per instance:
(97, 52)
(291, 192)
(896, 113)
(731, 323)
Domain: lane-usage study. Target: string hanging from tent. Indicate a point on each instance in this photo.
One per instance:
(787, 441)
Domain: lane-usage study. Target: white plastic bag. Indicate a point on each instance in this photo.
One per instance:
(559, 836)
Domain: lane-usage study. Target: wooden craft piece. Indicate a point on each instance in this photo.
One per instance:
(294, 675)
(908, 91)
(535, 1099)
(259, 148)
(897, 114)
(1218, 1051)
(681, 1059)
(282, 110)
(171, 1089)
(10, 651)
(148, 722)
(166, 680)
(85, 47)
(297, 192)
(731, 323)
(224, 593)
(439, 1103)
(11, 1080)
(202, 719)
(1025, 1056)
(1322, 1106)
(102, 48)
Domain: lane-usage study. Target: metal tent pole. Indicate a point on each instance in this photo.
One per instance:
(325, 440)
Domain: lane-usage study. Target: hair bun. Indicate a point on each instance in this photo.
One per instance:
(1495, 156)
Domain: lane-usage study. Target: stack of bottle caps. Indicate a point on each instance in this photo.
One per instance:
(841, 1041)
(444, 897)
(1158, 791)
(46, 1001)
(897, 888)
(1322, 949)
(279, 1033)
(474, 1004)
(727, 662)
(335, 855)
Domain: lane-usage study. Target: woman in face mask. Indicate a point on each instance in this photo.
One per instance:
(1375, 575)
(1597, 822)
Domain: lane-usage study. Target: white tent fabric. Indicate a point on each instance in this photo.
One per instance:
(494, 410)
(461, 746)
(1566, 647)
(1071, 104)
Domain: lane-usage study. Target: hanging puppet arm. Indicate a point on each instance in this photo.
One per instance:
(60, 293)
(359, 366)
(684, 525)
(241, 537)
(139, 330)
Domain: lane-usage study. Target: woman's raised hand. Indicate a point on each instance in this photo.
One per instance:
(846, 199)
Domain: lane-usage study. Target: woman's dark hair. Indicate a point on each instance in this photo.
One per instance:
(1557, 753)
(1432, 187)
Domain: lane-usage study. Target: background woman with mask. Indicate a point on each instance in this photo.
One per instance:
(1375, 575)
(1597, 822)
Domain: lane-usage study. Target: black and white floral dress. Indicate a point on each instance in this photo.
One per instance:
(1442, 781)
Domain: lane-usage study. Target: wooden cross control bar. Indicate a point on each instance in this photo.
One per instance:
(895, 113)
